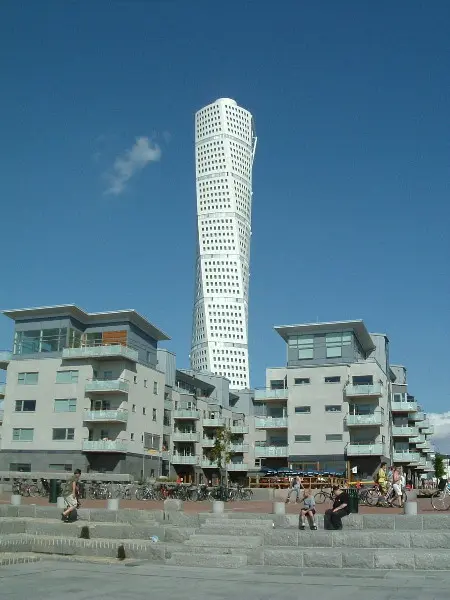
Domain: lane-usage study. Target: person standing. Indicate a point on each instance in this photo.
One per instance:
(333, 516)
(380, 477)
(296, 486)
(397, 485)
(71, 493)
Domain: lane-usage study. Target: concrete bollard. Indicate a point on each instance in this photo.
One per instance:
(113, 504)
(410, 508)
(279, 508)
(60, 502)
(218, 507)
(173, 505)
(16, 499)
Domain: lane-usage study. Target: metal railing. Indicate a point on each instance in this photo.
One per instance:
(404, 431)
(185, 413)
(185, 436)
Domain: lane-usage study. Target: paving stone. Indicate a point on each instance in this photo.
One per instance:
(224, 561)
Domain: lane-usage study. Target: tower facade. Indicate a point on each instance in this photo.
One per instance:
(225, 145)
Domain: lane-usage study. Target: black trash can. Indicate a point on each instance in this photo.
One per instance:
(54, 491)
(354, 500)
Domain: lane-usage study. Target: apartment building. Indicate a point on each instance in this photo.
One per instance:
(82, 390)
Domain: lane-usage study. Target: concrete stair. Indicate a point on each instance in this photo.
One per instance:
(224, 541)
(225, 561)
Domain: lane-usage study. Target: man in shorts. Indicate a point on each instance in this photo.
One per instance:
(71, 493)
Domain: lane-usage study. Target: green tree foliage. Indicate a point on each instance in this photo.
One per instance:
(221, 452)
(439, 469)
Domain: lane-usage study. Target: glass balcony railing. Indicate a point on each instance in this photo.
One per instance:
(364, 390)
(405, 456)
(365, 449)
(182, 459)
(428, 430)
(418, 439)
(185, 413)
(239, 429)
(107, 385)
(217, 422)
(374, 419)
(267, 394)
(208, 442)
(418, 417)
(239, 448)
(104, 446)
(238, 466)
(101, 352)
(168, 405)
(5, 358)
(185, 436)
(271, 451)
(119, 416)
(404, 431)
(271, 422)
(403, 406)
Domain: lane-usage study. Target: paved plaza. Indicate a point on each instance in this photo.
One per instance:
(53, 580)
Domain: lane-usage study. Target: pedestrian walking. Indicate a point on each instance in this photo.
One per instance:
(296, 486)
(308, 510)
(71, 493)
(333, 516)
(397, 485)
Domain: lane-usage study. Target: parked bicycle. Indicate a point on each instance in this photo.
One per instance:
(440, 500)
(323, 495)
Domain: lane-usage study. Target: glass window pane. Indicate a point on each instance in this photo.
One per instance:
(305, 353)
(334, 352)
(30, 342)
(59, 434)
(50, 339)
(60, 405)
(305, 340)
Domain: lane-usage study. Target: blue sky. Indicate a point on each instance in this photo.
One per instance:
(351, 177)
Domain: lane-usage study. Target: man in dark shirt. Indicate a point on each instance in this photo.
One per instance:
(333, 516)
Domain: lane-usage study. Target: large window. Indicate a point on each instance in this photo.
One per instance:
(40, 340)
(66, 376)
(60, 467)
(23, 435)
(304, 344)
(302, 380)
(27, 378)
(333, 379)
(333, 408)
(302, 409)
(22, 467)
(336, 341)
(302, 438)
(63, 434)
(65, 405)
(333, 437)
(362, 380)
(25, 406)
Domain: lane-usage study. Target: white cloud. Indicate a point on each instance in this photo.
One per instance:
(143, 152)
(441, 436)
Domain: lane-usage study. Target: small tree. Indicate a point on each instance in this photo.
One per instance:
(221, 451)
(439, 469)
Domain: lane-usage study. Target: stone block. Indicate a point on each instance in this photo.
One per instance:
(360, 559)
(173, 505)
(321, 558)
(252, 531)
(315, 539)
(27, 510)
(181, 519)
(102, 515)
(435, 561)
(224, 541)
(279, 508)
(430, 539)
(378, 521)
(393, 559)
(408, 522)
(436, 521)
(281, 537)
(178, 534)
(385, 539)
(224, 561)
(282, 557)
(353, 522)
(47, 512)
(255, 556)
(12, 526)
(350, 539)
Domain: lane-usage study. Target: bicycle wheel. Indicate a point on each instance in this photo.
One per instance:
(440, 500)
(33, 490)
(193, 495)
(372, 497)
(320, 497)
(246, 494)
(140, 493)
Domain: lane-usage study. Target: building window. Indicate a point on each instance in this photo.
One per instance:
(277, 384)
(132, 437)
(25, 406)
(37, 340)
(155, 387)
(333, 437)
(66, 376)
(302, 438)
(144, 411)
(302, 380)
(65, 405)
(23, 435)
(63, 434)
(333, 408)
(60, 467)
(302, 409)
(154, 414)
(362, 380)
(108, 375)
(335, 343)
(27, 378)
(145, 383)
(399, 398)
(334, 379)
(135, 379)
(133, 408)
(305, 347)
(21, 467)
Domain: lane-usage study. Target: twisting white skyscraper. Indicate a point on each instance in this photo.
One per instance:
(225, 145)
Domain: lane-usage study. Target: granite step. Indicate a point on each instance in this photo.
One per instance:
(224, 541)
(260, 524)
(232, 531)
(224, 561)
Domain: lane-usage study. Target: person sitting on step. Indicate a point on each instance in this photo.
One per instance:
(308, 510)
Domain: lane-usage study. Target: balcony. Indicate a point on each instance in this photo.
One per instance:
(237, 448)
(165, 455)
(271, 422)
(367, 390)
(2, 412)
(374, 419)
(219, 422)
(5, 358)
(101, 352)
(267, 394)
(418, 439)
(185, 436)
(418, 417)
(403, 406)
(405, 456)
(239, 429)
(429, 466)
(365, 449)
(2, 390)
(186, 413)
(424, 424)
(271, 451)
(237, 466)
(168, 405)
(205, 463)
(429, 430)
(405, 431)
(182, 459)
(105, 416)
(104, 446)
(208, 442)
(110, 386)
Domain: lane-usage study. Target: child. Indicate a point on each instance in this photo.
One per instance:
(308, 510)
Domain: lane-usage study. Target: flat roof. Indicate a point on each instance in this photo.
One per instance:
(87, 318)
(358, 327)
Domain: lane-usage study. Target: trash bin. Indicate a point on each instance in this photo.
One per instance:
(354, 500)
(54, 491)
